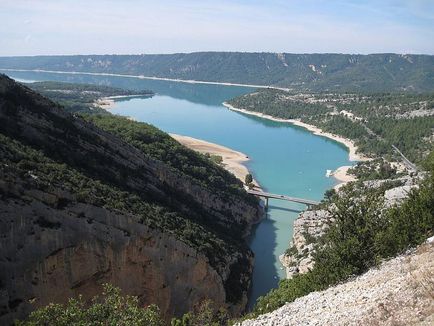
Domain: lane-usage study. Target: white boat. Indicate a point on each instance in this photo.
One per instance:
(328, 173)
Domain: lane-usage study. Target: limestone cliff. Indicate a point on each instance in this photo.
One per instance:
(308, 227)
(80, 206)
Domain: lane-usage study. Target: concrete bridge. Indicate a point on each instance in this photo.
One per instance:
(268, 195)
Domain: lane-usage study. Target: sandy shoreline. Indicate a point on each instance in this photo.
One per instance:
(353, 156)
(108, 102)
(233, 161)
(188, 81)
(340, 174)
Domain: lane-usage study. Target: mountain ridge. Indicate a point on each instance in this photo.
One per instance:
(314, 72)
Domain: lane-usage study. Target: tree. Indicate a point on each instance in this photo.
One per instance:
(110, 309)
(249, 179)
(329, 194)
(203, 315)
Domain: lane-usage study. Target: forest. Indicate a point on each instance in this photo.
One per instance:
(374, 121)
(82, 97)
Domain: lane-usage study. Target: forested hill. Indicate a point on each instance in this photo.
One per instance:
(315, 72)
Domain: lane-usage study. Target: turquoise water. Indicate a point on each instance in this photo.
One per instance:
(283, 158)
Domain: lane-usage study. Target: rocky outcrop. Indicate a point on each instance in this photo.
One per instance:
(308, 227)
(49, 255)
(399, 292)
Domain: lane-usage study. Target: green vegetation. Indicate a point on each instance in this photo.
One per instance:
(111, 308)
(160, 146)
(81, 97)
(203, 315)
(248, 180)
(377, 169)
(312, 72)
(362, 235)
(19, 161)
(374, 121)
(217, 159)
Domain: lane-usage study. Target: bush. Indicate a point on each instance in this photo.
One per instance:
(110, 309)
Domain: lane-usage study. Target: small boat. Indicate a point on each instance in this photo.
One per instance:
(328, 173)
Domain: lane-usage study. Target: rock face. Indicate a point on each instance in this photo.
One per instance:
(52, 254)
(397, 195)
(308, 226)
(400, 292)
(55, 243)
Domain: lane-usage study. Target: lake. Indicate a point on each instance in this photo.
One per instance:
(284, 159)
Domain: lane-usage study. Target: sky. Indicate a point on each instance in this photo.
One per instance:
(36, 27)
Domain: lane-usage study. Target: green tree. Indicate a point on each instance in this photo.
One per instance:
(248, 179)
(110, 309)
(203, 315)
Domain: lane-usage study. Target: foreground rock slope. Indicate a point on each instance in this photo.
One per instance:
(399, 292)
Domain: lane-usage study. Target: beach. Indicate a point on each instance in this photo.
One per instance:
(104, 103)
(341, 174)
(233, 161)
(108, 102)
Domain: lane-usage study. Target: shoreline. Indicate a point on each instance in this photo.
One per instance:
(187, 81)
(342, 176)
(341, 173)
(349, 144)
(232, 161)
(108, 102)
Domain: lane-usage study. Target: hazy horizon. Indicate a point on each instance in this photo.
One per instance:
(49, 27)
(216, 51)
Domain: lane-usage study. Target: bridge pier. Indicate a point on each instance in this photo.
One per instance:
(266, 203)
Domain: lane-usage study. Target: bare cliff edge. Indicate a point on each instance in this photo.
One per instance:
(56, 243)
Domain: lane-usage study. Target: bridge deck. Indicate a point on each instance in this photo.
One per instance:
(283, 197)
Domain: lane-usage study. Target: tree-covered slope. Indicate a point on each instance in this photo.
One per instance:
(343, 72)
(374, 121)
(83, 202)
(82, 97)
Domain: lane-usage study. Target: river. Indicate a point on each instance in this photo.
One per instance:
(284, 159)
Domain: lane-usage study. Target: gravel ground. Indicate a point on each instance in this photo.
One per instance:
(400, 292)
